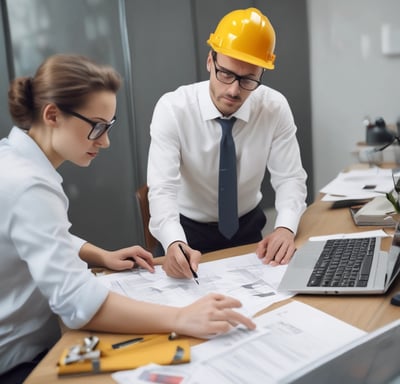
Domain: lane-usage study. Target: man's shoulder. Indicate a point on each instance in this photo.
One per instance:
(268, 101)
(264, 91)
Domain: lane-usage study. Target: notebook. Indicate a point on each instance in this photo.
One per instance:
(373, 358)
(314, 270)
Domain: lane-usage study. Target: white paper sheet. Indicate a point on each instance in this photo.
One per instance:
(354, 235)
(243, 277)
(357, 184)
(285, 340)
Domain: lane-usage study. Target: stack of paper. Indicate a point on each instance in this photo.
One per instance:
(285, 341)
(359, 184)
(378, 211)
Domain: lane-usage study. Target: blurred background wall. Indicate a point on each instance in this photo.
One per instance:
(156, 45)
(352, 76)
(329, 66)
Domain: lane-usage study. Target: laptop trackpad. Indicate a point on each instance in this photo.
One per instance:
(306, 256)
(301, 265)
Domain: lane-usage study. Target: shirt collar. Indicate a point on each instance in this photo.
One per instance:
(28, 148)
(210, 112)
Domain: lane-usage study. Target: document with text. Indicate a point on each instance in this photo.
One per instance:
(286, 340)
(359, 184)
(242, 277)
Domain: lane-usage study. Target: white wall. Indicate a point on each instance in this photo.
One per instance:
(350, 77)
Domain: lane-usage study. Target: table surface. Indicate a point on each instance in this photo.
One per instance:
(366, 312)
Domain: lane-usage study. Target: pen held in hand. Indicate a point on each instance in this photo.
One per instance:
(195, 277)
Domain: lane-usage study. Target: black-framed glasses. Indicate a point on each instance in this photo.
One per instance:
(228, 77)
(98, 127)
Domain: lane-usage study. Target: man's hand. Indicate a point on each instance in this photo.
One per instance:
(175, 263)
(277, 248)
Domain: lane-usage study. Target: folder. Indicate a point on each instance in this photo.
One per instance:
(96, 356)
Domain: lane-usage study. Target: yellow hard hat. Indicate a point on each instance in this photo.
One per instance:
(246, 35)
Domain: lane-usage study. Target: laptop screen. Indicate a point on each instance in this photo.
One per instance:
(374, 358)
(394, 253)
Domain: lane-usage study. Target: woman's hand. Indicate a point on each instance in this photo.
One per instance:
(211, 315)
(127, 258)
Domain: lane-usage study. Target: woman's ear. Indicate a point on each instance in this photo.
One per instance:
(50, 114)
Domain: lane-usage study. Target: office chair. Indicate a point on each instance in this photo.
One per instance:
(151, 243)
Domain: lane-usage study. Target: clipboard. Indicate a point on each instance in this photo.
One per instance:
(95, 356)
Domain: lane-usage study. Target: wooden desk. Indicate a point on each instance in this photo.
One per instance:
(365, 312)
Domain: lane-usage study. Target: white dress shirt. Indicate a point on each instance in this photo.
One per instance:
(183, 163)
(41, 272)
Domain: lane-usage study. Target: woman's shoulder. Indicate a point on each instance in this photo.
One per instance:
(19, 173)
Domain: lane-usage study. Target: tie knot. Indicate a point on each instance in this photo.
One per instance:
(226, 124)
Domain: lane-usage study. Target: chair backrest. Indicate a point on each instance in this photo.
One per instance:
(151, 243)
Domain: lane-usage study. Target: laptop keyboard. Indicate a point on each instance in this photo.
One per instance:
(344, 263)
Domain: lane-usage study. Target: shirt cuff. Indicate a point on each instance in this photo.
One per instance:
(288, 220)
(170, 233)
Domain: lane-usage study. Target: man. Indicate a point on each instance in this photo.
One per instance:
(190, 176)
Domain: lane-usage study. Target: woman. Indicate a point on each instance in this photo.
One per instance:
(63, 114)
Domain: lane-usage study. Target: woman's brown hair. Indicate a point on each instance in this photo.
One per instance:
(63, 79)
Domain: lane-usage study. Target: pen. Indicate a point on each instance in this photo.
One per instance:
(195, 277)
(127, 342)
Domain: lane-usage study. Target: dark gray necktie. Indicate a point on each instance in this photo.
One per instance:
(228, 222)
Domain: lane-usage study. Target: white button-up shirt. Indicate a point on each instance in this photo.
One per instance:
(41, 272)
(183, 161)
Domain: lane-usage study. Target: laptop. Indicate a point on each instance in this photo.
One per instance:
(319, 267)
(371, 359)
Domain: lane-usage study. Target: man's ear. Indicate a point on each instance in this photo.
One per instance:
(50, 114)
(209, 61)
